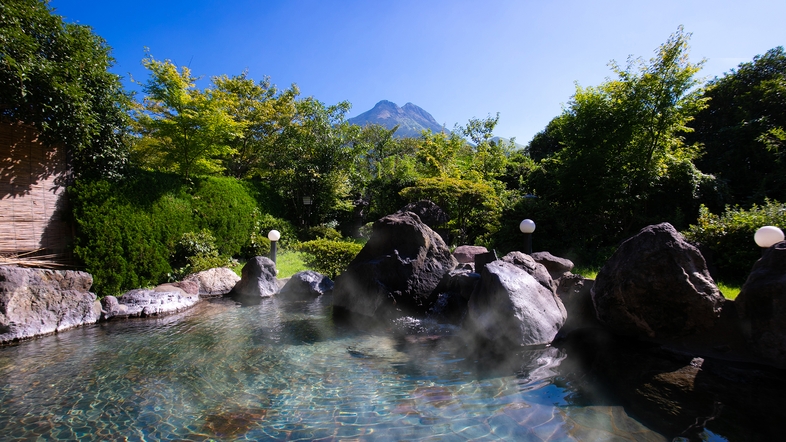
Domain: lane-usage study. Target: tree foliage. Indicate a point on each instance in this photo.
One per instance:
(262, 112)
(621, 160)
(55, 76)
(312, 159)
(742, 129)
(473, 207)
(186, 130)
(727, 239)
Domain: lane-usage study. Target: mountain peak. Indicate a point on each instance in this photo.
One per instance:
(411, 119)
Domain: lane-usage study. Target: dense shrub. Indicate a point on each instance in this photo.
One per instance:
(324, 232)
(196, 252)
(124, 243)
(329, 257)
(192, 244)
(225, 207)
(130, 233)
(727, 239)
(289, 234)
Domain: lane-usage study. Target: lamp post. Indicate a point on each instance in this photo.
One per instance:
(273, 236)
(767, 237)
(307, 202)
(527, 227)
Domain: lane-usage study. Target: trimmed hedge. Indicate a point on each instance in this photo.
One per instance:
(225, 207)
(727, 239)
(128, 232)
(329, 257)
(125, 243)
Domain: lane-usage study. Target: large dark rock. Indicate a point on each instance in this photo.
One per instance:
(396, 272)
(575, 293)
(306, 285)
(509, 307)
(556, 266)
(36, 302)
(453, 294)
(466, 254)
(761, 305)
(429, 213)
(214, 282)
(257, 280)
(529, 265)
(656, 285)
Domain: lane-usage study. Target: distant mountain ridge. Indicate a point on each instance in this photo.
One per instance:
(411, 119)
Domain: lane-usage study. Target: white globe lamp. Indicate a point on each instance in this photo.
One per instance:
(768, 236)
(527, 227)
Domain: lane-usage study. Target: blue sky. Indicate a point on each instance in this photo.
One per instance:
(456, 59)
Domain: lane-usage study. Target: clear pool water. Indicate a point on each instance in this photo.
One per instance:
(284, 372)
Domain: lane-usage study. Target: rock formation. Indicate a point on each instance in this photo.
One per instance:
(164, 299)
(397, 271)
(510, 307)
(761, 305)
(257, 280)
(214, 282)
(306, 285)
(656, 285)
(37, 302)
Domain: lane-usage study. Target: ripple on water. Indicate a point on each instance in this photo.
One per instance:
(281, 371)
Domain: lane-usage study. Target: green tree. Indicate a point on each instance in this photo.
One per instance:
(438, 154)
(263, 111)
(311, 159)
(186, 129)
(55, 75)
(383, 166)
(621, 148)
(473, 207)
(742, 129)
(488, 157)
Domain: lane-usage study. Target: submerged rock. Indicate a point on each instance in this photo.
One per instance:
(576, 296)
(35, 302)
(453, 294)
(656, 285)
(396, 272)
(510, 307)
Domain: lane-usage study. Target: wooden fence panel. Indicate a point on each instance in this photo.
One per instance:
(34, 211)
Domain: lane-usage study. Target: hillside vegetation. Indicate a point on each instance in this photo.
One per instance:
(212, 169)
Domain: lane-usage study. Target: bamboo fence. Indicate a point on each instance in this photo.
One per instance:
(34, 211)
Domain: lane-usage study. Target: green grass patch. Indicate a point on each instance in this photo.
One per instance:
(289, 262)
(587, 272)
(729, 291)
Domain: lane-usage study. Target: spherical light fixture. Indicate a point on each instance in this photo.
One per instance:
(527, 226)
(273, 236)
(768, 236)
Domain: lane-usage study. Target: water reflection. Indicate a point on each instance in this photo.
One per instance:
(284, 370)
